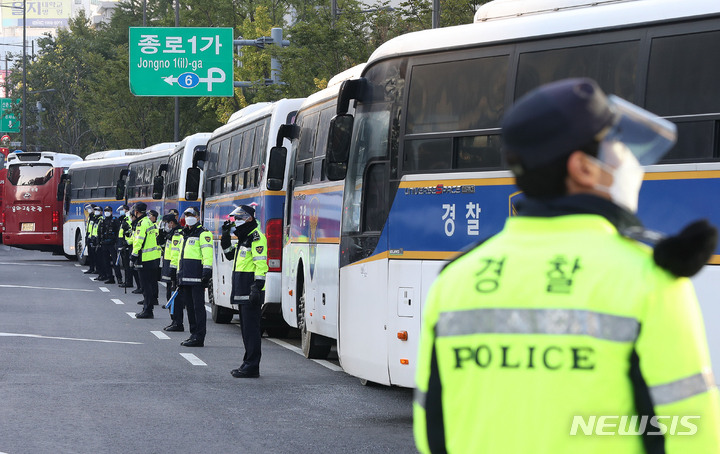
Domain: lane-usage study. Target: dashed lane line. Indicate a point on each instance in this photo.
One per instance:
(208, 309)
(160, 335)
(38, 336)
(104, 289)
(45, 288)
(117, 301)
(131, 314)
(194, 360)
(77, 264)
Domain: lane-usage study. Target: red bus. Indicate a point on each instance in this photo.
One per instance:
(4, 152)
(32, 213)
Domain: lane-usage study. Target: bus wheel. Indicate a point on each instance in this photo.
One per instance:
(79, 248)
(220, 314)
(309, 342)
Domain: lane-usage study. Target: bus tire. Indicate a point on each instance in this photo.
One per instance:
(311, 346)
(82, 259)
(221, 315)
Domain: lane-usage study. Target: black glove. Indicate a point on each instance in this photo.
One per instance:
(687, 252)
(256, 293)
(173, 284)
(133, 260)
(226, 227)
(206, 276)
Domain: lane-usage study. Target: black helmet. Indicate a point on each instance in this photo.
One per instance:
(140, 207)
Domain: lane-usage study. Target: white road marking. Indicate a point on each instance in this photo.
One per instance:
(45, 288)
(163, 284)
(207, 308)
(104, 289)
(160, 335)
(131, 314)
(27, 264)
(92, 278)
(194, 360)
(292, 348)
(77, 264)
(38, 336)
(117, 301)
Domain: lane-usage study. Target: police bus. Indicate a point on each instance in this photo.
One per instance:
(424, 173)
(92, 181)
(312, 221)
(32, 215)
(234, 167)
(175, 182)
(139, 181)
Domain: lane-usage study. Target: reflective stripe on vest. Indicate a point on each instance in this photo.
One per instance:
(573, 322)
(684, 388)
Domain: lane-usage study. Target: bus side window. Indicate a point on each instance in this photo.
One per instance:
(478, 152)
(430, 154)
(375, 198)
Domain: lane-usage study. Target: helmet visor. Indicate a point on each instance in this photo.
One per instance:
(647, 136)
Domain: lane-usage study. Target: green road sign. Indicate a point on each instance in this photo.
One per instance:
(181, 61)
(8, 122)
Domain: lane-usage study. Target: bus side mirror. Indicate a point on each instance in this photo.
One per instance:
(158, 186)
(192, 184)
(120, 189)
(276, 168)
(338, 146)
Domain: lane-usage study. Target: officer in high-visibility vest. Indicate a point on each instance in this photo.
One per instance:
(88, 230)
(248, 282)
(192, 267)
(563, 333)
(123, 246)
(146, 258)
(170, 238)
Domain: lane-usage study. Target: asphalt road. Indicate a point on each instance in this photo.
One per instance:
(78, 374)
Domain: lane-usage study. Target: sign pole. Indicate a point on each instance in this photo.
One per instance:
(24, 92)
(176, 136)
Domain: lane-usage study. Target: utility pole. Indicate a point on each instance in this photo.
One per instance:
(436, 14)
(176, 134)
(24, 92)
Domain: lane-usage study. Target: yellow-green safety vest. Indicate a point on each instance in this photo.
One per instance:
(542, 339)
(192, 255)
(145, 241)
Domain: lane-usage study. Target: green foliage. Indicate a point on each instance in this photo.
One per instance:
(80, 74)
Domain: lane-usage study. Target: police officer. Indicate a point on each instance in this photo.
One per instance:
(146, 258)
(134, 219)
(123, 247)
(91, 238)
(563, 315)
(248, 282)
(170, 238)
(88, 230)
(192, 265)
(107, 237)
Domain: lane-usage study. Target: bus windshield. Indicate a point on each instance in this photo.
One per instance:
(29, 174)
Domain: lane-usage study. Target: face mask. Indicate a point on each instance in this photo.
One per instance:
(122, 212)
(190, 221)
(168, 229)
(239, 222)
(97, 213)
(618, 160)
(108, 214)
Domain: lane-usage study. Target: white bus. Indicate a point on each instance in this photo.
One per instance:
(177, 182)
(91, 181)
(313, 206)
(234, 168)
(424, 175)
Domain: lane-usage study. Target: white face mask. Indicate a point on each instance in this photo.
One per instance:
(97, 213)
(627, 174)
(239, 222)
(108, 214)
(168, 229)
(122, 212)
(190, 221)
